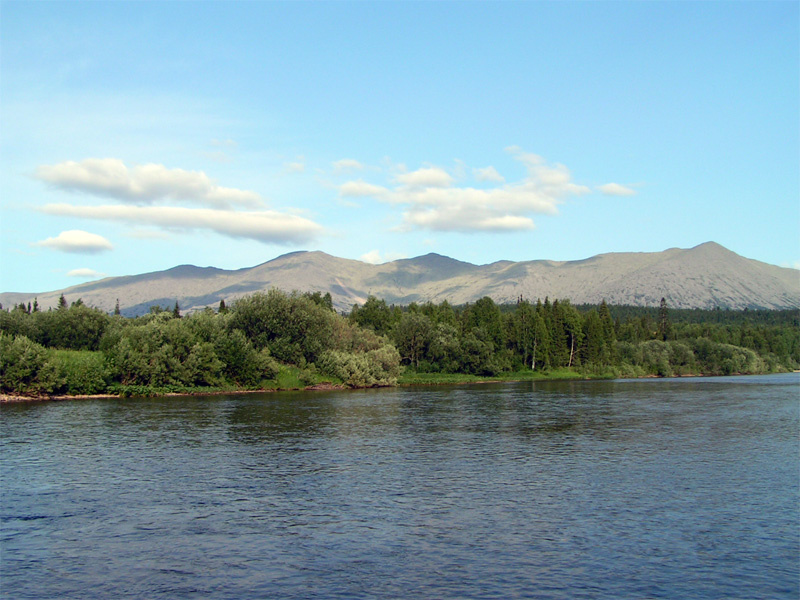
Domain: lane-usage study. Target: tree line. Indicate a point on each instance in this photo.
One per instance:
(484, 338)
(81, 350)
(257, 340)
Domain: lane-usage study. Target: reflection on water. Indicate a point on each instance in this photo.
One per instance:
(618, 489)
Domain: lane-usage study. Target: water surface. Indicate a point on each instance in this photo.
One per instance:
(683, 488)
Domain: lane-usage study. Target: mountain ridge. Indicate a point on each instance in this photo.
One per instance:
(705, 276)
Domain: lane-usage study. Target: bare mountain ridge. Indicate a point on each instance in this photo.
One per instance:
(705, 276)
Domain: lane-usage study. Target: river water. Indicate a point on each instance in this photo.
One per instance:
(675, 488)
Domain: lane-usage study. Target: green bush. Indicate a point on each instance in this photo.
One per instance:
(293, 327)
(24, 366)
(364, 369)
(80, 371)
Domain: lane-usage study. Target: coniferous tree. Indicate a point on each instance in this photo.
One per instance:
(62, 302)
(558, 335)
(541, 341)
(664, 325)
(116, 308)
(222, 308)
(522, 333)
(176, 312)
(609, 334)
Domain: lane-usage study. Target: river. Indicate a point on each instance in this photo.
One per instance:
(666, 488)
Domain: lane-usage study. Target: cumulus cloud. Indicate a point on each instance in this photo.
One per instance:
(85, 274)
(527, 158)
(147, 234)
(423, 178)
(347, 164)
(143, 184)
(433, 202)
(264, 226)
(488, 174)
(374, 257)
(616, 189)
(76, 241)
(360, 189)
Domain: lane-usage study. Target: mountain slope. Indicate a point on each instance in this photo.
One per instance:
(705, 276)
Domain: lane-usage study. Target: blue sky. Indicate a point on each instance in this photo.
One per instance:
(139, 136)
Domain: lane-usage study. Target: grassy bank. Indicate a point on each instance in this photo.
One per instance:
(413, 378)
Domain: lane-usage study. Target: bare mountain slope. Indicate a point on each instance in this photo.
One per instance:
(702, 277)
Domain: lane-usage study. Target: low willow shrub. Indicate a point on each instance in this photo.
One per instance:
(80, 372)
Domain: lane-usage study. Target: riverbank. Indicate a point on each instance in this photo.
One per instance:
(405, 380)
(15, 398)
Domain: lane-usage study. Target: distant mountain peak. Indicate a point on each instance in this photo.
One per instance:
(433, 259)
(705, 276)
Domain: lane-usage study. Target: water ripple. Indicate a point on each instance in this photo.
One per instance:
(632, 489)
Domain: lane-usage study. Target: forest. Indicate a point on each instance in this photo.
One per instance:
(279, 340)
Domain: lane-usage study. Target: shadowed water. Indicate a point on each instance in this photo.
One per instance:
(628, 489)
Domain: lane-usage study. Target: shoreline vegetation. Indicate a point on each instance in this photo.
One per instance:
(414, 380)
(277, 341)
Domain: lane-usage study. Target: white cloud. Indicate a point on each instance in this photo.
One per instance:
(792, 265)
(85, 274)
(427, 177)
(527, 158)
(264, 226)
(374, 257)
(76, 241)
(488, 174)
(360, 188)
(347, 164)
(143, 184)
(433, 203)
(616, 189)
(147, 234)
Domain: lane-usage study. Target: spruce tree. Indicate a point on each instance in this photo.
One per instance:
(664, 325)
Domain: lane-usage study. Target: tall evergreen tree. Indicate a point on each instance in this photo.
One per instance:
(558, 335)
(609, 334)
(522, 331)
(541, 341)
(664, 325)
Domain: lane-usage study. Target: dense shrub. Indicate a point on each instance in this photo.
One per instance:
(363, 369)
(293, 327)
(80, 371)
(24, 366)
